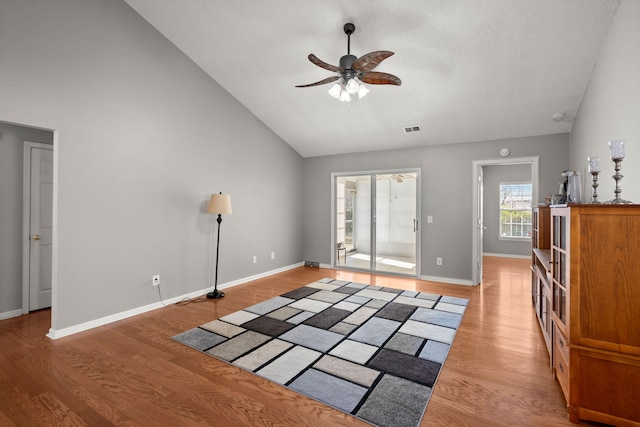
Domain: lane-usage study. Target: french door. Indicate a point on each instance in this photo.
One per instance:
(375, 221)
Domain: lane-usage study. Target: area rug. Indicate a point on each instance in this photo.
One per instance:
(373, 352)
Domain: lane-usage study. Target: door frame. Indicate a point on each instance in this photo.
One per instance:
(418, 239)
(476, 259)
(26, 220)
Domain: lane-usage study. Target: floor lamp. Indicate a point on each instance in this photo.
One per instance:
(218, 204)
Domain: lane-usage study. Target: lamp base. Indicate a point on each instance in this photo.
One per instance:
(215, 294)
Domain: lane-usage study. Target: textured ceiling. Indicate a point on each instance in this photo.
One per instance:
(471, 70)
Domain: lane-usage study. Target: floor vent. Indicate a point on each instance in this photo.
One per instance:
(412, 129)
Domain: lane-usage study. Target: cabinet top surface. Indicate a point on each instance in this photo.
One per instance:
(599, 208)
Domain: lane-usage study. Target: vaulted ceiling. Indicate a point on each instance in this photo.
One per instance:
(471, 70)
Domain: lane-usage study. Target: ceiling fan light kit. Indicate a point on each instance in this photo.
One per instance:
(353, 72)
(343, 91)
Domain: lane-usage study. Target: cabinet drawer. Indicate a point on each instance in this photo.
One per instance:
(561, 343)
(561, 364)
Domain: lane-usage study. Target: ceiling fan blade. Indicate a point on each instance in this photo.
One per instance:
(371, 60)
(320, 63)
(322, 82)
(376, 78)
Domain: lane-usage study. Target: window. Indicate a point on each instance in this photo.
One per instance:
(515, 210)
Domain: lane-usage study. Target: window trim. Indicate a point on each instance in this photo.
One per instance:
(512, 238)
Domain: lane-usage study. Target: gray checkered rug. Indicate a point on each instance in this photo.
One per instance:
(370, 351)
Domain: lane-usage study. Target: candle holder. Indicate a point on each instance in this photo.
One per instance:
(594, 170)
(616, 148)
(594, 186)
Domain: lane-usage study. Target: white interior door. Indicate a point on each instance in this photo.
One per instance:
(40, 224)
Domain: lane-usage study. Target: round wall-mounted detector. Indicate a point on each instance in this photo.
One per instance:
(559, 117)
(504, 152)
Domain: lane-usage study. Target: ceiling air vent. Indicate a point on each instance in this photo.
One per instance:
(412, 129)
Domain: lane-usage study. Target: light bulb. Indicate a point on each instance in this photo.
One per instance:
(352, 86)
(344, 96)
(335, 90)
(362, 91)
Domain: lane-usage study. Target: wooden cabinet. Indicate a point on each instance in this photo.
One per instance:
(541, 271)
(595, 310)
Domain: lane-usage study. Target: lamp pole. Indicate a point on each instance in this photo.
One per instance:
(216, 293)
(220, 204)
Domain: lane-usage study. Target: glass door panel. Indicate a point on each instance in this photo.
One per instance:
(350, 206)
(353, 221)
(395, 223)
(376, 222)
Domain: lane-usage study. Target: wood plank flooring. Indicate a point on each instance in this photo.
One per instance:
(130, 373)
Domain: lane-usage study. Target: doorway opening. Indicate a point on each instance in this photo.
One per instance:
(17, 143)
(375, 221)
(478, 226)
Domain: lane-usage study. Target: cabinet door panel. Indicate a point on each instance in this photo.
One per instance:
(610, 279)
(608, 385)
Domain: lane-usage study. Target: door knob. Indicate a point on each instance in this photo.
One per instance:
(36, 237)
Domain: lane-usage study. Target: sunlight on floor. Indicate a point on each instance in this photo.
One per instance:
(392, 264)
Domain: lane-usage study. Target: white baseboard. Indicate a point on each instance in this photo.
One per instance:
(10, 314)
(261, 275)
(447, 280)
(507, 255)
(64, 332)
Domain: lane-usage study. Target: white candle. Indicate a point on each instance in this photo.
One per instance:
(594, 164)
(616, 147)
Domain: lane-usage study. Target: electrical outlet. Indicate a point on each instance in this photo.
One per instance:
(255, 259)
(438, 261)
(155, 280)
(273, 255)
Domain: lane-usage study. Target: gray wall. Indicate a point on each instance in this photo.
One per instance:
(611, 105)
(143, 136)
(11, 154)
(446, 194)
(494, 175)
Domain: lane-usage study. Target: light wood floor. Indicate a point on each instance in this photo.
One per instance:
(130, 373)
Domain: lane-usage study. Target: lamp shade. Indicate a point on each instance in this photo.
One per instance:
(219, 204)
(335, 90)
(352, 86)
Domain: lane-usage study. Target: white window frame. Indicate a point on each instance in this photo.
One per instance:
(512, 238)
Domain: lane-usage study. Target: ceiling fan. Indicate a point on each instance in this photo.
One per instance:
(354, 71)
